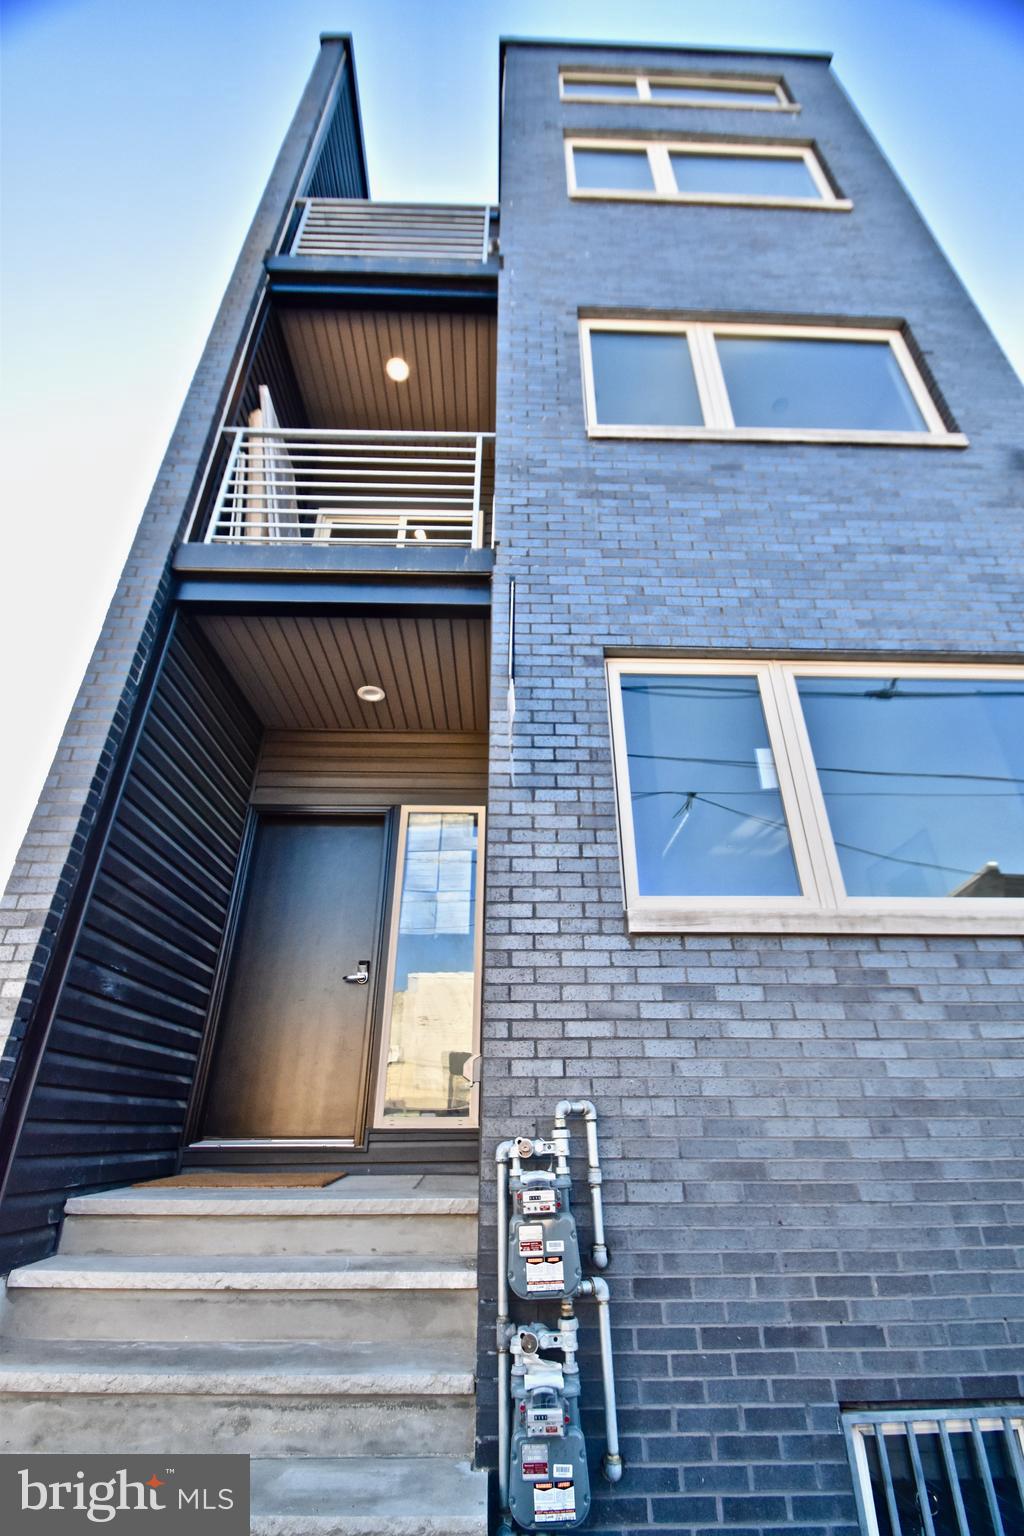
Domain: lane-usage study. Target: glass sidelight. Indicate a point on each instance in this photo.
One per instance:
(432, 1004)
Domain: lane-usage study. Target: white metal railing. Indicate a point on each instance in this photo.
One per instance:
(298, 485)
(340, 226)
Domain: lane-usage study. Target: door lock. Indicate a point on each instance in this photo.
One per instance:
(361, 977)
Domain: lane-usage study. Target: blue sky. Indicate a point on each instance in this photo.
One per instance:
(136, 139)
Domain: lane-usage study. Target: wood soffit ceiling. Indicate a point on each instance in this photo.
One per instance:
(339, 356)
(301, 672)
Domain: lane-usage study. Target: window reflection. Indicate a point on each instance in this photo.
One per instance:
(798, 382)
(431, 1027)
(744, 175)
(644, 379)
(923, 781)
(707, 812)
(613, 170)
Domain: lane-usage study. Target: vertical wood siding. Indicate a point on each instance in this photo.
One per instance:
(338, 168)
(109, 1102)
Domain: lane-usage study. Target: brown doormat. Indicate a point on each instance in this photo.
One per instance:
(215, 1178)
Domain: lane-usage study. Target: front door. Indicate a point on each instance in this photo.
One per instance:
(292, 1046)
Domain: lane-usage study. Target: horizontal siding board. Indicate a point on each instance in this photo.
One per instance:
(160, 833)
(370, 767)
(142, 868)
(152, 925)
(122, 1052)
(73, 1074)
(128, 1023)
(109, 926)
(111, 1095)
(113, 1111)
(107, 983)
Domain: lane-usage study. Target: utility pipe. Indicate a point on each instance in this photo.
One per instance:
(584, 1107)
(611, 1464)
(501, 1156)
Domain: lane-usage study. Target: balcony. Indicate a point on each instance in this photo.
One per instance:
(317, 487)
(335, 228)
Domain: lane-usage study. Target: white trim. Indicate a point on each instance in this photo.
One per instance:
(825, 907)
(414, 1122)
(718, 420)
(643, 80)
(666, 189)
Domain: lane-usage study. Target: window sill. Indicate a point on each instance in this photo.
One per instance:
(965, 919)
(716, 200)
(784, 435)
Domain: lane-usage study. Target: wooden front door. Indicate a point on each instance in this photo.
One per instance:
(292, 1047)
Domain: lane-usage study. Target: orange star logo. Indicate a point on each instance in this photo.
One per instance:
(155, 1482)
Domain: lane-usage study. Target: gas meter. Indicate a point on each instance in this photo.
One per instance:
(549, 1483)
(543, 1245)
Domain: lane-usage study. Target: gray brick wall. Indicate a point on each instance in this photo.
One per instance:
(36, 899)
(813, 1148)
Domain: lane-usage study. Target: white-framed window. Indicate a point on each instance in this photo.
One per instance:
(819, 796)
(675, 89)
(431, 1013)
(933, 1471)
(753, 175)
(761, 382)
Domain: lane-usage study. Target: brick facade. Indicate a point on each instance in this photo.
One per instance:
(813, 1144)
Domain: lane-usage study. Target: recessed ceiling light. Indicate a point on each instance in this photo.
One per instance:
(370, 693)
(397, 369)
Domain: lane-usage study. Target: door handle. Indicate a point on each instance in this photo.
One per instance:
(361, 977)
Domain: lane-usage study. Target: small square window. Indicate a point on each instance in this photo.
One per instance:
(626, 170)
(645, 379)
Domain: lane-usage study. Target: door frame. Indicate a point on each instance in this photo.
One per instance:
(192, 1139)
(378, 1122)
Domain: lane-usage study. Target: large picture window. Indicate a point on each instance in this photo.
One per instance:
(757, 381)
(784, 795)
(699, 171)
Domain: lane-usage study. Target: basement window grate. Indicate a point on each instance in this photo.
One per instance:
(938, 1472)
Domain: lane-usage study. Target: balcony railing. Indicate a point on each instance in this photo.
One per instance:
(311, 486)
(352, 227)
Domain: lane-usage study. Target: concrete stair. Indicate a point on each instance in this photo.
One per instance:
(328, 1333)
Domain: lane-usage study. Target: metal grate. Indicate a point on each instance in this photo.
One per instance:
(938, 1472)
(330, 226)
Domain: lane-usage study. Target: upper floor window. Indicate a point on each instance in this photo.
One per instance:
(698, 171)
(675, 90)
(933, 1471)
(764, 383)
(819, 796)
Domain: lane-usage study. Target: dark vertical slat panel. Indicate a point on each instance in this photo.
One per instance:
(272, 365)
(338, 168)
(110, 1099)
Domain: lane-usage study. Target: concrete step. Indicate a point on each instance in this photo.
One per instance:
(357, 1496)
(228, 1298)
(418, 1214)
(272, 1400)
